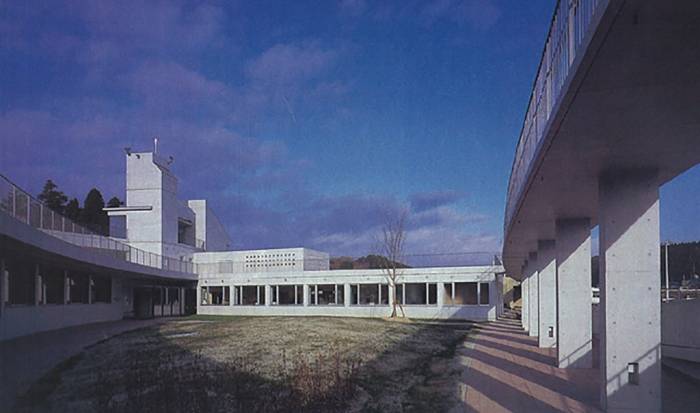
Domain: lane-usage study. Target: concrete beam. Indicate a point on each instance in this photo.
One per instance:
(547, 293)
(533, 293)
(574, 298)
(630, 292)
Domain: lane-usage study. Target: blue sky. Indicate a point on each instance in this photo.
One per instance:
(304, 123)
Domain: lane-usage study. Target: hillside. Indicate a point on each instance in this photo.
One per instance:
(367, 262)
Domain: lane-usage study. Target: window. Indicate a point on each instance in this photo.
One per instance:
(52, 286)
(465, 293)
(326, 294)
(384, 294)
(249, 295)
(79, 288)
(432, 294)
(287, 294)
(21, 283)
(101, 289)
(174, 296)
(415, 293)
(158, 296)
(483, 293)
(448, 294)
(218, 295)
(399, 294)
(369, 294)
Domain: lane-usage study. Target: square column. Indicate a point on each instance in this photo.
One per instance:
(630, 292)
(524, 301)
(574, 299)
(533, 293)
(547, 293)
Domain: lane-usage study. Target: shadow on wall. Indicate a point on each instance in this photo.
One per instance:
(173, 370)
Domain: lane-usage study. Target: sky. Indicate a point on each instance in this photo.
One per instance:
(304, 123)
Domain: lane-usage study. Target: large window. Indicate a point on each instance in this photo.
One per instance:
(369, 294)
(326, 294)
(483, 293)
(417, 293)
(101, 289)
(21, 282)
(287, 294)
(249, 295)
(79, 288)
(218, 295)
(466, 293)
(174, 296)
(52, 286)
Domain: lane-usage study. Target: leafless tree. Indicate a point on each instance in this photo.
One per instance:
(391, 247)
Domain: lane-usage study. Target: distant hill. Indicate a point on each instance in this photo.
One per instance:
(683, 262)
(368, 262)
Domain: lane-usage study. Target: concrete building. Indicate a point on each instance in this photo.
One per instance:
(166, 256)
(613, 115)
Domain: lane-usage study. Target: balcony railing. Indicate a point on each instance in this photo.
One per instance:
(570, 27)
(22, 206)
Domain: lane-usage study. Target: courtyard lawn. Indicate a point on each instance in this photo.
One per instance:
(261, 364)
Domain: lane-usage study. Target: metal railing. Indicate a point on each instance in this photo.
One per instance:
(570, 26)
(19, 204)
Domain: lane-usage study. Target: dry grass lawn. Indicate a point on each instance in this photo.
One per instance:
(264, 364)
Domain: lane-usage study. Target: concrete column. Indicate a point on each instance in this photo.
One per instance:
(524, 300)
(630, 292)
(66, 287)
(347, 295)
(3, 287)
(534, 323)
(574, 320)
(38, 290)
(547, 293)
(90, 293)
(440, 295)
(268, 295)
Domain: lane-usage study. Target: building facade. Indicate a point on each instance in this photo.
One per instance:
(169, 257)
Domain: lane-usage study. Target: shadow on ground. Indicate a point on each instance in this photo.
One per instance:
(221, 366)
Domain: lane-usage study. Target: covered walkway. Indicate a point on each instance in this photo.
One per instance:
(505, 370)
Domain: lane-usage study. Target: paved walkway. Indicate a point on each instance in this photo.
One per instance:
(507, 372)
(26, 359)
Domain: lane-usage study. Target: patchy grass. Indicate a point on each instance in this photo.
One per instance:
(264, 364)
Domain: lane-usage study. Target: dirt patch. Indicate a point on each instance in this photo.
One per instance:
(261, 364)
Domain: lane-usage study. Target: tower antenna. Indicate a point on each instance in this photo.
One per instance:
(155, 145)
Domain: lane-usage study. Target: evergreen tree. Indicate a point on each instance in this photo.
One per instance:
(92, 214)
(114, 202)
(52, 197)
(72, 210)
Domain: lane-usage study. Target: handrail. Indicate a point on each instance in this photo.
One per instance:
(570, 26)
(22, 206)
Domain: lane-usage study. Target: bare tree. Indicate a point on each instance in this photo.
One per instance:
(391, 247)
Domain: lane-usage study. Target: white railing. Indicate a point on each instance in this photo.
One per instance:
(570, 26)
(19, 204)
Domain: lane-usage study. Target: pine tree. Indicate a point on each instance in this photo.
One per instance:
(114, 202)
(72, 210)
(92, 214)
(53, 198)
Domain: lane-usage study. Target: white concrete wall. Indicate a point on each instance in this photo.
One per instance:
(680, 329)
(262, 261)
(21, 320)
(208, 227)
(349, 277)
